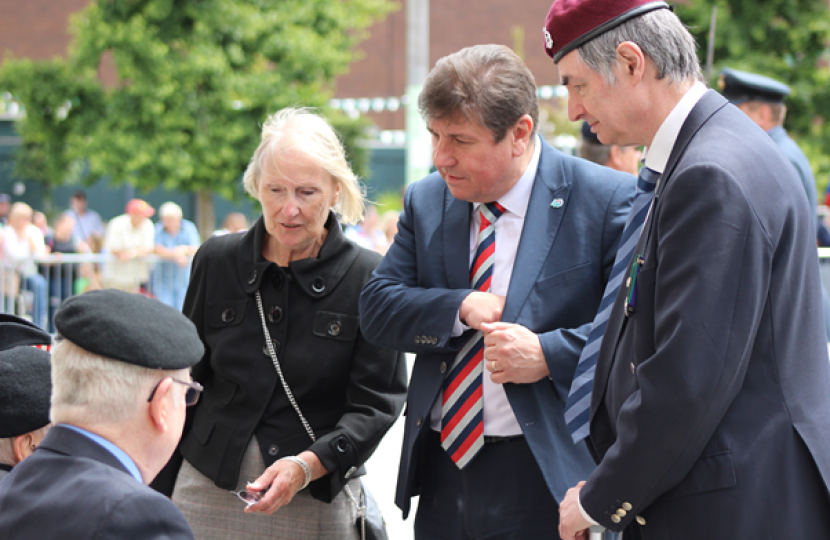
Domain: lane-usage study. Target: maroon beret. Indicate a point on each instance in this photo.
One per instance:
(573, 23)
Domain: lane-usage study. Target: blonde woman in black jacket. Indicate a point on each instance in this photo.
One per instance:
(295, 274)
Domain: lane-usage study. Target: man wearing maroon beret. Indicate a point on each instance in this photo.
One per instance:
(710, 410)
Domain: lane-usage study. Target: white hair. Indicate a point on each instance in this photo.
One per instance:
(89, 389)
(170, 209)
(300, 129)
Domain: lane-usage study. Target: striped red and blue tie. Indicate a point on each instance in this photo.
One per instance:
(462, 412)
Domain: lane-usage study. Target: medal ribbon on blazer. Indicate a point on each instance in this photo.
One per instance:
(462, 410)
(578, 406)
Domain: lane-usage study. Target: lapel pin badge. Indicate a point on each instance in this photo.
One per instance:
(557, 203)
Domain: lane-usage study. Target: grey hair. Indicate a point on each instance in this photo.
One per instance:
(301, 129)
(662, 37)
(89, 389)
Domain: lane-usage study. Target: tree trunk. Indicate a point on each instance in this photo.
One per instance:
(205, 215)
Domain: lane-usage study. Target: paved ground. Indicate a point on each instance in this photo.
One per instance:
(382, 476)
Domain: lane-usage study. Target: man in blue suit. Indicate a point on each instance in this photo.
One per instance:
(485, 444)
(710, 411)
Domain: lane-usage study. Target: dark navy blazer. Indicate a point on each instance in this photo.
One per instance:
(564, 257)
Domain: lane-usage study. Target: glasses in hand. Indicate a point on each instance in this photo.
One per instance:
(249, 497)
(194, 389)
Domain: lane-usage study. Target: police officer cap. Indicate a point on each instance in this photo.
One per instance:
(740, 86)
(131, 328)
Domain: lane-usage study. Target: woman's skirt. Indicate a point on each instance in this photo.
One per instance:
(217, 514)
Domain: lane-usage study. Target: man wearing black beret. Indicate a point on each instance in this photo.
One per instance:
(121, 383)
(709, 406)
(25, 387)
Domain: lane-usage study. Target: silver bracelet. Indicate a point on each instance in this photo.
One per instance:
(303, 465)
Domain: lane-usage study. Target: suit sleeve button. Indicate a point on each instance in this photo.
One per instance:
(626, 506)
(641, 520)
(621, 512)
(418, 340)
(615, 518)
(443, 367)
(419, 421)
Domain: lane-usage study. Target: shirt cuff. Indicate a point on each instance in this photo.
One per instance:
(585, 515)
(458, 327)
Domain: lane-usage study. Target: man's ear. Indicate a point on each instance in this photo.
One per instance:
(23, 446)
(159, 406)
(632, 61)
(521, 133)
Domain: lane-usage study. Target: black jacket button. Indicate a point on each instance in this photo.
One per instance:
(334, 328)
(227, 315)
(252, 277)
(342, 445)
(277, 280)
(273, 450)
(318, 285)
(275, 314)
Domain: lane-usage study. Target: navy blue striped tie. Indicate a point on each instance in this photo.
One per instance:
(578, 406)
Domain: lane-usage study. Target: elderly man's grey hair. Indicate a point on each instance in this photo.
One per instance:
(662, 38)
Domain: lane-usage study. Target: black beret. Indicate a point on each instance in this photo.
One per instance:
(25, 389)
(16, 332)
(131, 328)
(740, 86)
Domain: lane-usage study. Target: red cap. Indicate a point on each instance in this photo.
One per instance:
(573, 23)
(138, 206)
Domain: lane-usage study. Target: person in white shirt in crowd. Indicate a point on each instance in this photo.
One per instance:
(21, 242)
(130, 237)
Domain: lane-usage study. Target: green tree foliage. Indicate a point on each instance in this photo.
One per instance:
(783, 39)
(196, 78)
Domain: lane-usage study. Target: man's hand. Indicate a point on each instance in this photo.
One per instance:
(572, 524)
(481, 307)
(513, 354)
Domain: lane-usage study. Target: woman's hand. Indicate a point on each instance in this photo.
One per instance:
(285, 479)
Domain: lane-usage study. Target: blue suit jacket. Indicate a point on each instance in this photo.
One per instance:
(71, 487)
(711, 409)
(563, 260)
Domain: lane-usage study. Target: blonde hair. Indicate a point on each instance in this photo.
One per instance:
(300, 129)
(90, 389)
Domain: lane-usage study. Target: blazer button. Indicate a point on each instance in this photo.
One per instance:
(252, 277)
(318, 285)
(334, 328)
(418, 340)
(342, 445)
(227, 315)
(419, 421)
(626, 506)
(641, 520)
(615, 518)
(443, 367)
(275, 314)
(273, 450)
(621, 512)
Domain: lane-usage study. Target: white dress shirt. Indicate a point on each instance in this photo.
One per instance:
(499, 419)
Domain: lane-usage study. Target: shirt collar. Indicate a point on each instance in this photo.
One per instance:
(516, 200)
(119, 454)
(657, 155)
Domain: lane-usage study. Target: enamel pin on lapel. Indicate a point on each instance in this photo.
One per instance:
(557, 203)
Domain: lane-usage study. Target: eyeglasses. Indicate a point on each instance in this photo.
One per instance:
(249, 497)
(194, 389)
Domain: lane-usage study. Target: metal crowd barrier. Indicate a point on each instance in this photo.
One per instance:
(37, 297)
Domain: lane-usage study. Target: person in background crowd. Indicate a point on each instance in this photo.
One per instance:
(88, 222)
(497, 270)
(129, 237)
(39, 220)
(62, 276)
(233, 222)
(294, 274)
(389, 225)
(762, 100)
(619, 158)
(21, 242)
(120, 386)
(709, 415)
(5, 206)
(367, 233)
(25, 388)
(176, 242)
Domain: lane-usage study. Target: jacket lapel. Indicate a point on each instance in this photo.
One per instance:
(709, 104)
(539, 231)
(456, 232)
